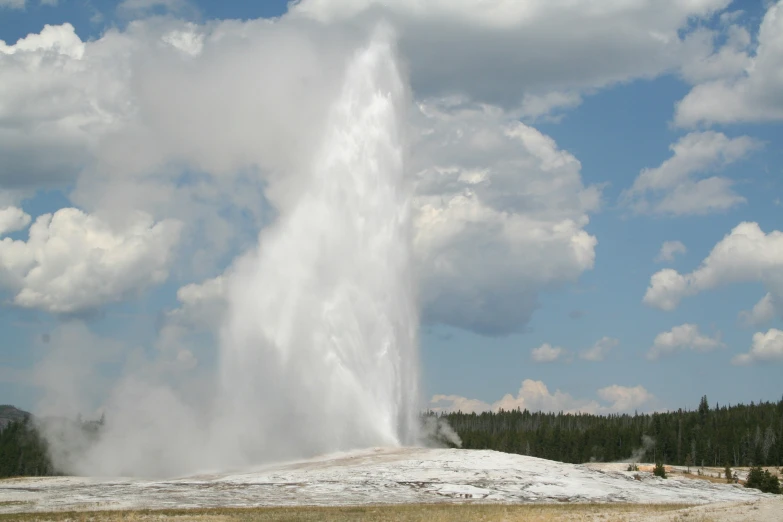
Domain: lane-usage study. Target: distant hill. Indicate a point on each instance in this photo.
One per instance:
(9, 414)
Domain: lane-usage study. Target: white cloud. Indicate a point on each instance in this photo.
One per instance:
(754, 92)
(767, 347)
(47, 139)
(195, 322)
(762, 312)
(729, 61)
(669, 249)
(747, 254)
(500, 213)
(683, 337)
(623, 398)
(480, 173)
(12, 4)
(445, 403)
(151, 144)
(500, 52)
(674, 188)
(483, 178)
(536, 107)
(547, 353)
(13, 219)
(73, 262)
(535, 396)
(600, 350)
(202, 303)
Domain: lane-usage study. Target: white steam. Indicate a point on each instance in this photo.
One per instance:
(648, 443)
(319, 349)
(436, 431)
(320, 343)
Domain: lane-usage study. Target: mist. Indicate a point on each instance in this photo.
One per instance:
(318, 346)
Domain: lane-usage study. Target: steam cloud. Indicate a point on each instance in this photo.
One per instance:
(437, 430)
(648, 443)
(319, 348)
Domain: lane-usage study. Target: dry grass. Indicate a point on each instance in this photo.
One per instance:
(708, 478)
(407, 513)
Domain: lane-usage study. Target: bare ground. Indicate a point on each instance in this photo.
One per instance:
(768, 509)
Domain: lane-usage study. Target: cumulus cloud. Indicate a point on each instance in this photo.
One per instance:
(684, 337)
(499, 216)
(746, 254)
(535, 396)
(202, 303)
(175, 119)
(202, 309)
(499, 212)
(45, 140)
(74, 262)
(748, 86)
(13, 219)
(500, 52)
(624, 398)
(126, 133)
(669, 249)
(677, 186)
(762, 312)
(449, 403)
(767, 347)
(600, 350)
(547, 353)
(729, 60)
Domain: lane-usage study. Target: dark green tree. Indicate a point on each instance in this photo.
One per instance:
(23, 452)
(763, 480)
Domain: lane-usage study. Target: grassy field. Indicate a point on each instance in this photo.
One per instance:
(407, 513)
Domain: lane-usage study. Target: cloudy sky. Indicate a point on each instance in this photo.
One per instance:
(597, 200)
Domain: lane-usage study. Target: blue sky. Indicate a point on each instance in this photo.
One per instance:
(623, 115)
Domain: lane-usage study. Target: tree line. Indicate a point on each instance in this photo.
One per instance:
(23, 451)
(739, 435)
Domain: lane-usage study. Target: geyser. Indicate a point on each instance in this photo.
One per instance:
(319, 352)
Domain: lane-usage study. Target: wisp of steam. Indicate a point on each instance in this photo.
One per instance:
(319, 350)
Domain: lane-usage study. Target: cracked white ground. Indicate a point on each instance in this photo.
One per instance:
(375, 476)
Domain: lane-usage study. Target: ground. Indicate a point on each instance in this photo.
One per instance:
(411, 483)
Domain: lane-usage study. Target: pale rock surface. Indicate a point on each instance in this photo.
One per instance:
(375, 476)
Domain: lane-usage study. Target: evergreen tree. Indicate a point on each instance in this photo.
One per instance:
(735, 435)
(23, 452)
(763, 480)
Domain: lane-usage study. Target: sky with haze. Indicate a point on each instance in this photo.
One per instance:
(597, 189)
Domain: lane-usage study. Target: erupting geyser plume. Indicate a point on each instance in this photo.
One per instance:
(319, 349)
